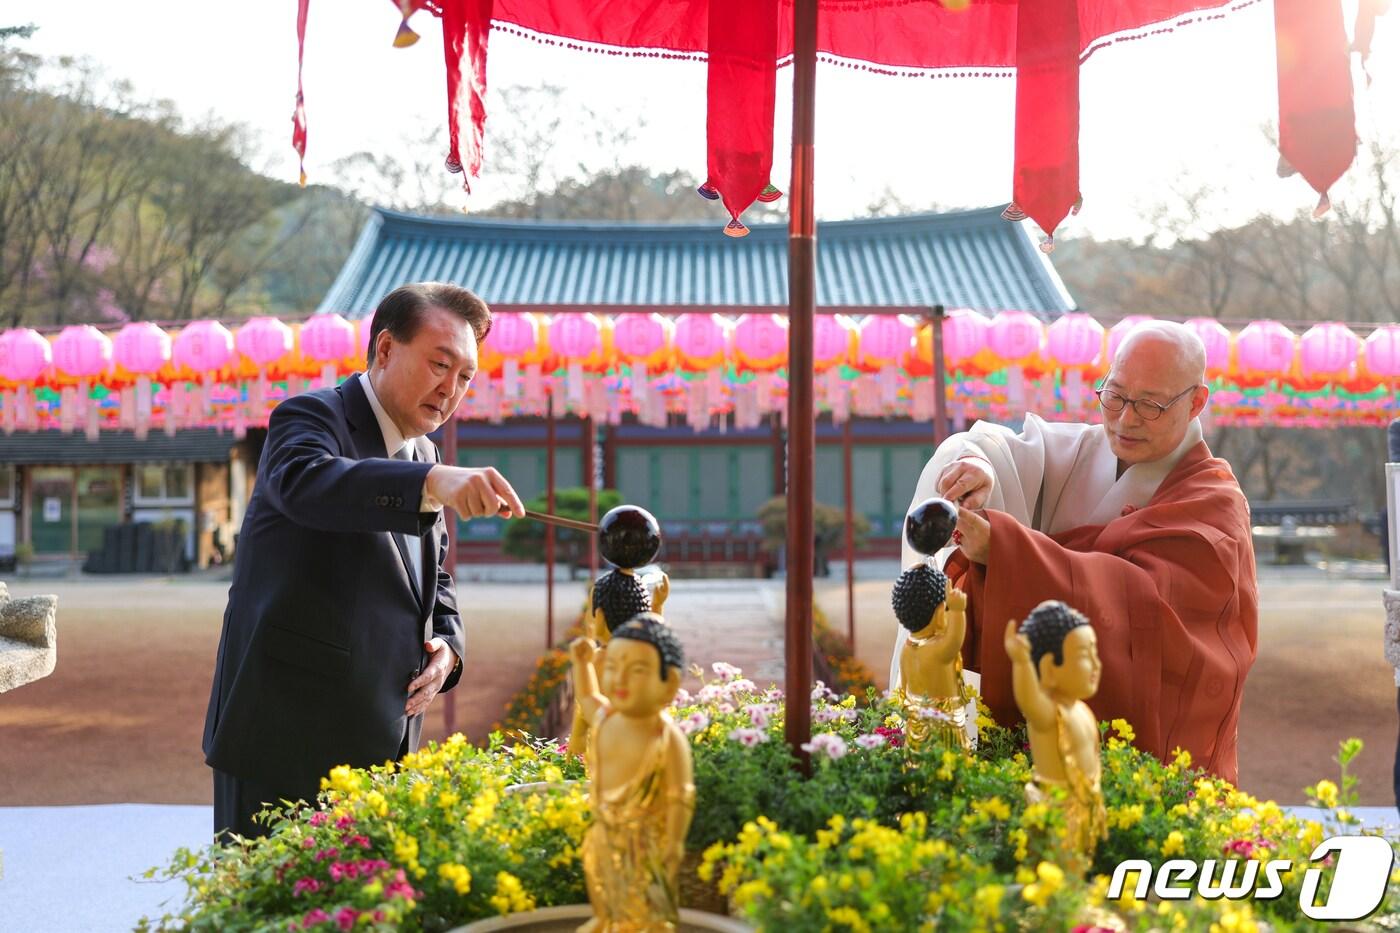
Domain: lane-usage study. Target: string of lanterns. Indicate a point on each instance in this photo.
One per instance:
(696, 365)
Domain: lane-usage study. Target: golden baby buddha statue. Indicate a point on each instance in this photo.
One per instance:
(931, 693)
(1055, 667)
(628, 537)
(640, 778)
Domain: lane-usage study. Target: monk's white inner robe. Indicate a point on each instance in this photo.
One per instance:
(1050, 477)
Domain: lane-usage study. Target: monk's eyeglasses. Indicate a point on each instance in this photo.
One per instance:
(1147, 409)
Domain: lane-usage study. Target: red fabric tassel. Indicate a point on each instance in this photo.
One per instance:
(741, 95)
(299, 114)
(1046, 180)
(1316, 118)
(466, 28)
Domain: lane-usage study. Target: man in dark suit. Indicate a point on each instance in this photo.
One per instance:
(342, 623)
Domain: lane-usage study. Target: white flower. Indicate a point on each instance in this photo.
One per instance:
(742, 685)
(724, 708)
(847, 715)
(773, 695)
(937, 715)
(694, 722)
(683, 698)
(749, 737)
(822, 692)
(824, 714)
(827, 743)
(725, 672)
(870, 740)
(709, 693)
(760, 713)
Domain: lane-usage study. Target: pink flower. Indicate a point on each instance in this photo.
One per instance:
(304, 886)
(937, 715)
(683, 698)
(345, 822)
(824, 714)
(725, 708)
(694, 723)
(759, 714)
(319, 818)
(725, 672)
(873, 740)
(361, 841)
(742, 685)
(827, 743)
(345, 918)
(308, 843)
(314, 917)
(749, 737)
(325, 854)
(893, 735)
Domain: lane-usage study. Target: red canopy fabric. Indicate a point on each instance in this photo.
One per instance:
(745, 41)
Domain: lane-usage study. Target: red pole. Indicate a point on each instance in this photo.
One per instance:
(802, 265)
(850, 535)
(940, 380)
(449, 456)
(549, 529)
(590, 468)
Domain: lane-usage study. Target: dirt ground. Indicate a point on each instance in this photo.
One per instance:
(120, 719)
(1319, 678)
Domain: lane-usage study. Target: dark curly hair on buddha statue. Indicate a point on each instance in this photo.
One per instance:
(1047, 626)
(917, 595)
(620, 596)
(649, 628)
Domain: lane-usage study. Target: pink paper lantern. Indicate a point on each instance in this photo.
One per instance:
(513, 335)
(1217, 342)
(1075, 339)
(637, 336)
(884, 339)
(1266, 347)
(964, 334)
(575, 336)
(264, 341)
(700, 339)
(141, 347)
(24, 355)
(327, 338)
(760, 337)
(1119, 332)
(1015, 335)
(1328, 348)
(831, 340)
(1382, 351)
(82, 351)
(203, 347)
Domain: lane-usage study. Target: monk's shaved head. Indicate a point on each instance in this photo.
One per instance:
(1164, 345)
(1157, 385)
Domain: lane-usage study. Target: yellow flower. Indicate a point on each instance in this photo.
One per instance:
(457, 875)
(448, 799)
(1049, 879)
(1236, 918)
(342, 780)
(847, 917)
(1124, 730)
(1326, 793)
(1175, 844)
(993, 808)
(1183, 759)
(750, 890)
(986, 903)
(510, 896)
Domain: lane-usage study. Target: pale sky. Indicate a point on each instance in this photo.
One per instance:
(1191, 102)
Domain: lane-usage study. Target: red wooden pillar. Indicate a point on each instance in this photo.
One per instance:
(549, 529)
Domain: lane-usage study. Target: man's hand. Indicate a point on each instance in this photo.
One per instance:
(474, 492)
(957, 600)
(422, 689)
(1018, 646)
(974, 536)
(967, 482)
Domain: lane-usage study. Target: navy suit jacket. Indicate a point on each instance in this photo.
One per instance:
(325, 627)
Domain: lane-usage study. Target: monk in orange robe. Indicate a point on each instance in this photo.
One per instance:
(1131, 522)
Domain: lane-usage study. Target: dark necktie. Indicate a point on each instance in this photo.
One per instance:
(413, 544)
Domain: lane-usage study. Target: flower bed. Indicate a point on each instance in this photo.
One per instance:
(873, 839)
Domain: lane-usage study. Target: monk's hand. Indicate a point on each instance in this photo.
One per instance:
(976, 535)
(967, 482)
(957, 600)
(474, 492)
(1018, 646)
(422, 689)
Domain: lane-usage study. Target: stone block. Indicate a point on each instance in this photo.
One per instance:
(28, 638)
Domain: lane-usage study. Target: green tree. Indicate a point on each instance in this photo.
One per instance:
(828, 530)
